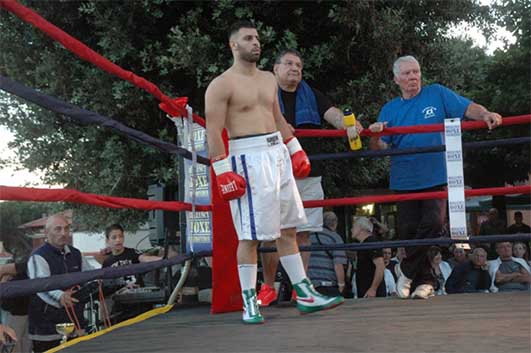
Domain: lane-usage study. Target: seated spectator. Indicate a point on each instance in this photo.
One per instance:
(519, 226)
(441, 271)
(326, 268)
(123, 256)
(389, 262)
(400, 254)
(470, 276)
(508, 273)
(47, 309)
(370, 264)
(459, 256)
(521, 251)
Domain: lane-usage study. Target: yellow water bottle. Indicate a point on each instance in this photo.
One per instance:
(350, 120)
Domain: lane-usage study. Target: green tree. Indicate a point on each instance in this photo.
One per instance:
(14, 214)
(506, 89)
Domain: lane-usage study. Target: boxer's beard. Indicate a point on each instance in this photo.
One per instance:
(250, 57)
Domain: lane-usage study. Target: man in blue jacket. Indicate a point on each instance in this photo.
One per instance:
(424, 172)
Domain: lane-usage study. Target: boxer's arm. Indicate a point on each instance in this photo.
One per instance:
(216, 106)
(230, 184)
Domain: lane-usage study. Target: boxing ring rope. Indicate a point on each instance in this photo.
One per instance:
(87, 54)
(85, 117)
(11, 193)
(31, 286)
(508, 190)
(465, 125)
(416, 150)
(411, 243)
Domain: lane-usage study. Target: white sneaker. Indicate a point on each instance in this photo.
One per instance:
(309, 300)
(403, 284)
(423, 291)
(251, 313)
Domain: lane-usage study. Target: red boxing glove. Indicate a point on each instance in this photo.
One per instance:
(299, 160)
(230, 185)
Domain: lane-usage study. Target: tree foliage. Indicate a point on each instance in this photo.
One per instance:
(12, 215)
(348, 49)
(505, 88)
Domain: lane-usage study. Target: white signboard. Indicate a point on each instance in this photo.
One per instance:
(456, 180)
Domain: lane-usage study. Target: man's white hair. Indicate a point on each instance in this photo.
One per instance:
(402, 59)
(330, 220)
(364, 223)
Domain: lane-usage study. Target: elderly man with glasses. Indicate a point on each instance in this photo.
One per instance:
(304, 107)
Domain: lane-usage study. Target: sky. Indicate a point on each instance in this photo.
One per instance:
(11, 177)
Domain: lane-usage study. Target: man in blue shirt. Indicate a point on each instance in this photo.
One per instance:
(424, 172)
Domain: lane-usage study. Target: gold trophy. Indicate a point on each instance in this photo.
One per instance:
(64, 329)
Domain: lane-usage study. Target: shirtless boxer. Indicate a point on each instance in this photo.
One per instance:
(258, 175)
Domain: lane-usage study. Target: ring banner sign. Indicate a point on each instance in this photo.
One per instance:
(196, 189)
(456, 180)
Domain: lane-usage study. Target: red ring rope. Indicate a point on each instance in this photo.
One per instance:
(87, 54)
(12, 193)
(526, 189)
(465, 125)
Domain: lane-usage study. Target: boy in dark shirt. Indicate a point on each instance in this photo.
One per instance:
(123, 256)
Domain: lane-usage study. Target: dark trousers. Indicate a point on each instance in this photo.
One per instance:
(43, 346)
(420, 219)
(331, 291)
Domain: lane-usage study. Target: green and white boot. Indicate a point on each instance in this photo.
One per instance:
(251, 312)
(309, 300)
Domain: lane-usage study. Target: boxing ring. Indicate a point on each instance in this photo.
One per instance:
(452, 323)
(459, 322)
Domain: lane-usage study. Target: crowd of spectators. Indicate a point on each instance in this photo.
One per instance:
(465, 270)
(458, 269)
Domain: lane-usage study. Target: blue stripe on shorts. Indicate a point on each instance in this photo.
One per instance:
(235, 170)
(249, 198)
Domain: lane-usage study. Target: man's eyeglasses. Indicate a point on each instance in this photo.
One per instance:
(292, 64)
